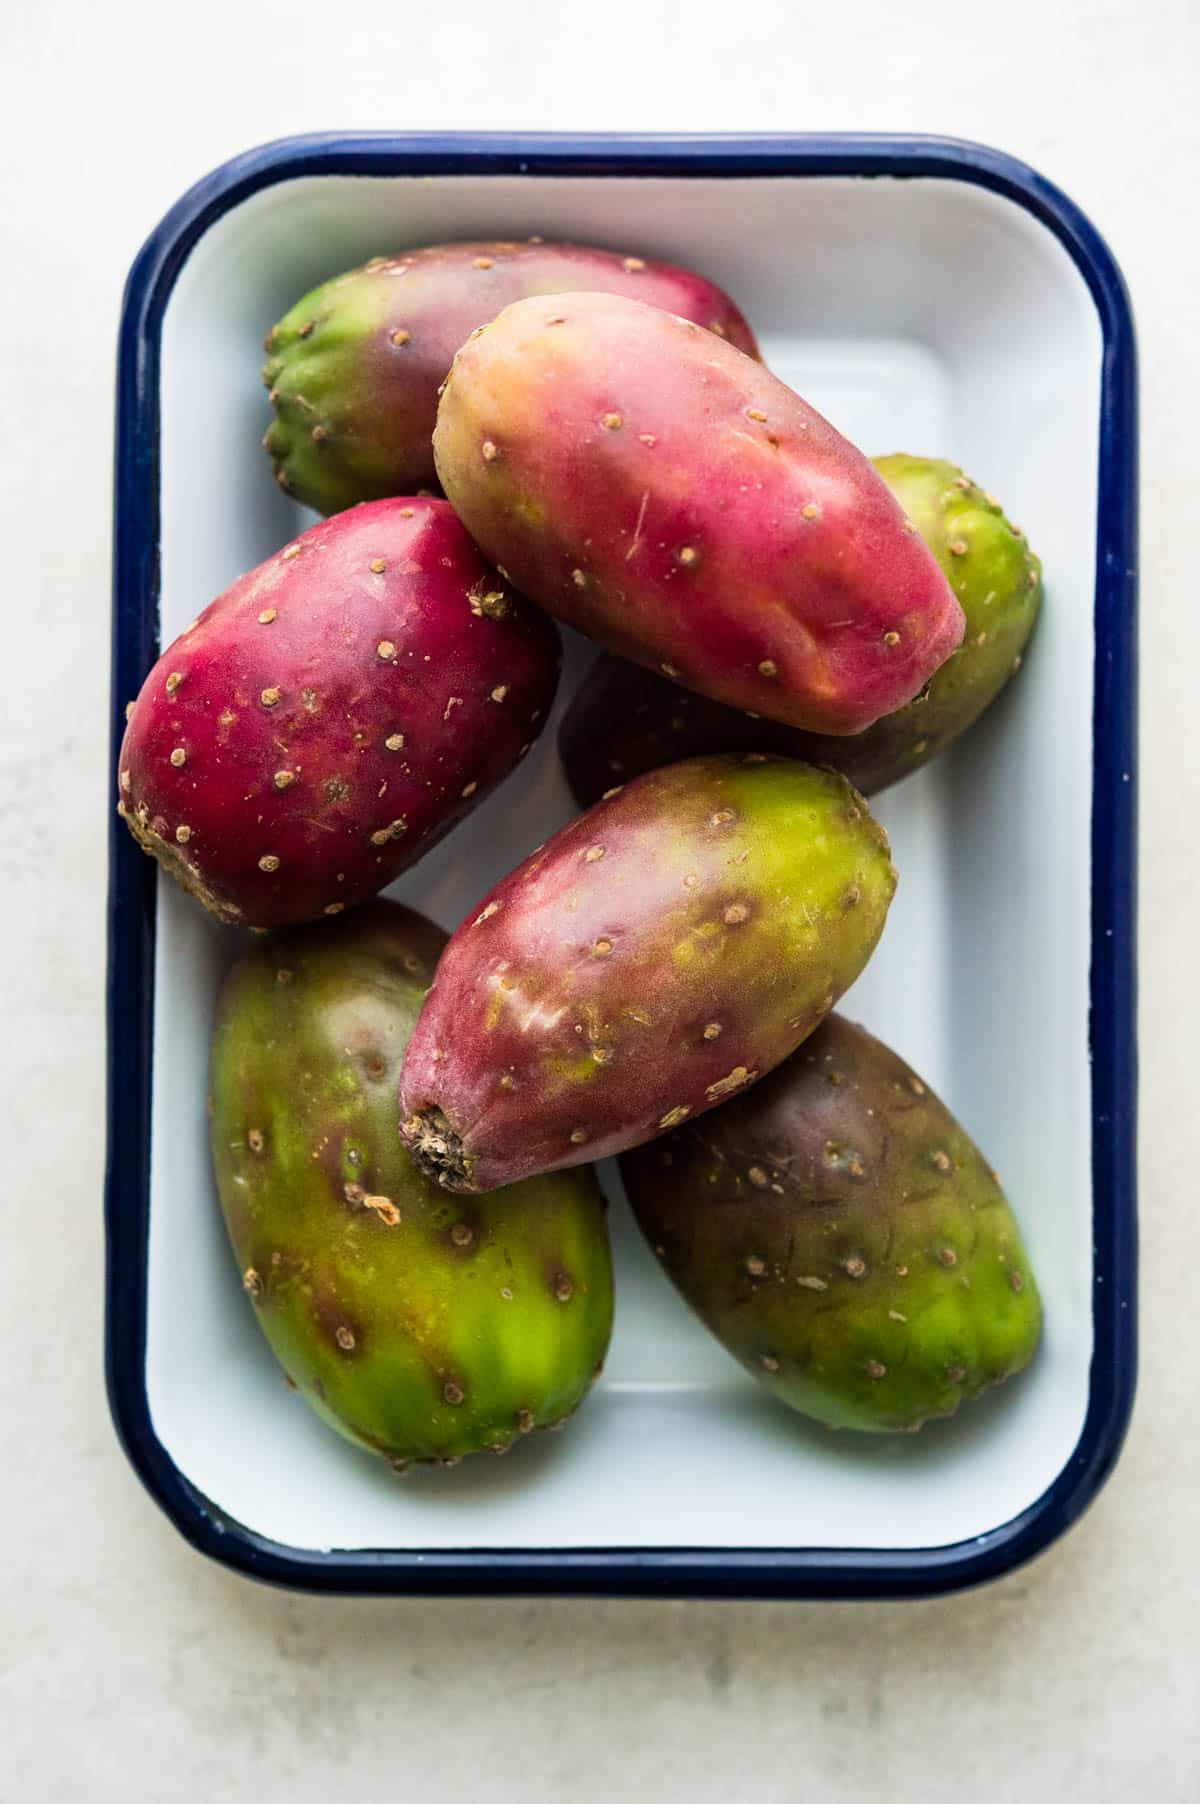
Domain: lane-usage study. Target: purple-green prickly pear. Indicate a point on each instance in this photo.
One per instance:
(332, 715)
(655, 957)
(844, 1238)
(418, 1326)
(665, 494)
(625, 719)
(355, 367)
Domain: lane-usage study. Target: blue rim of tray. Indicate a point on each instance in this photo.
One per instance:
(654, 1571)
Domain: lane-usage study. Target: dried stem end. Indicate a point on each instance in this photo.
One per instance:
(438, 1150)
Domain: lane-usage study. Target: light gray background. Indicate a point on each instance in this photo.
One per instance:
(131, 1670)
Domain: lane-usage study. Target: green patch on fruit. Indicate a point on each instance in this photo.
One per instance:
(419, 1326)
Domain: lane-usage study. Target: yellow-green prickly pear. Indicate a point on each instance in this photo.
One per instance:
(417, 1324)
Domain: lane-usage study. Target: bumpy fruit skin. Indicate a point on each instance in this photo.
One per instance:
(669, 497)
(655, 957)
(417, 1326)
(355, 367)
(333, 714)
(625, 719)
(844, 1238)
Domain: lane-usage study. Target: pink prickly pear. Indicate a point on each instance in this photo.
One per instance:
(334, 713)
(659, 490)
(626, 719)
(655, 957)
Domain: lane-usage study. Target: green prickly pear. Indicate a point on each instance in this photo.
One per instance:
(418, 1326)
(666, 495)
(625, 719)
(844, 1238)
(354, 368)
(656, 956)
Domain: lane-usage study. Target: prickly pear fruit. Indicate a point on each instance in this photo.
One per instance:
(655, 957)
(998, 582)
(668, 496)
(625, 720)
(415, 1325)
(843, 1238)
(354, 368)
(333, 714)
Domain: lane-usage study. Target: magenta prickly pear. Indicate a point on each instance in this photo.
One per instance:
(355, 367)
(333, 714)
(655, 957)
(665, 494)
(625, 719)
(844, 1238)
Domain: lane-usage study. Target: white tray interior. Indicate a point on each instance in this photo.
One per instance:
(923, 315)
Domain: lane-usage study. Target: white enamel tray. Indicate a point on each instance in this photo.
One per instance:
(966, 310)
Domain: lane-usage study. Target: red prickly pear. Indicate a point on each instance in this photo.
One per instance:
(657, 955)
(844, 1238)
(625, 719)
(334, 713)
(355, 367)
(665, 494)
